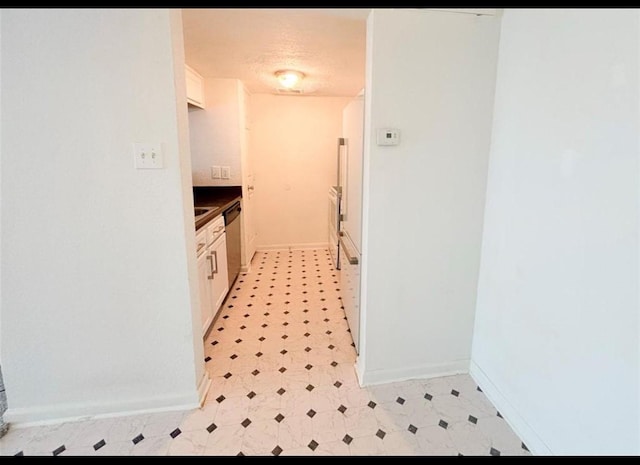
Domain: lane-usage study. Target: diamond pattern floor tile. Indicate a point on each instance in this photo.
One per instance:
(281, 360)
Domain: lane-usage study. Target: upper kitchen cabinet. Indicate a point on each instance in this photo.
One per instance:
(195, 87)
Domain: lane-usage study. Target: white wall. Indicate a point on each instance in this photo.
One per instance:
(215, 133)
(96, 312)
(556, 332)
(184, 158)
(294, 142)
(3, 399)
(0, 188)
(430, 74)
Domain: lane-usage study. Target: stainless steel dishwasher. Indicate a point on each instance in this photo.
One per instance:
(232, 228)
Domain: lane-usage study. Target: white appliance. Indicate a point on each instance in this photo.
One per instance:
(334, 225)
(350, 154)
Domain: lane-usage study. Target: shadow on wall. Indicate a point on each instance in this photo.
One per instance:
(3, 406)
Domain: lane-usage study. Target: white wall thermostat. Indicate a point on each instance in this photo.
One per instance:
(388, 136)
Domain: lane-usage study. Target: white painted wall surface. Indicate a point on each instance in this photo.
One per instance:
(430, 74)
(294, 144)
(184, 158)
(472, 11)
(215, 133)
(556, 332)
(96, 312)
(0, 188)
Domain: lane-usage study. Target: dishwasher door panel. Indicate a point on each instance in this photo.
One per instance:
(233, 250)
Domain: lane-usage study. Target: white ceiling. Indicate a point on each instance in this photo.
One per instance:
(326, 44)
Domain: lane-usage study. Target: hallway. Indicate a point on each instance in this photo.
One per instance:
(281, 359)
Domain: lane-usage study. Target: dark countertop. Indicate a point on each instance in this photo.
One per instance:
(220, 197)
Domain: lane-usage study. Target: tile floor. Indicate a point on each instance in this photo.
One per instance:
(281, 359)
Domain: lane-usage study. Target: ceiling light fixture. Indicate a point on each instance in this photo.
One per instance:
(289, 78)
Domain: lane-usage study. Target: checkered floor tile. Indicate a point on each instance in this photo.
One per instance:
(281, 359)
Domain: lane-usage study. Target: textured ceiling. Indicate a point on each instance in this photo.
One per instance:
(327, 45)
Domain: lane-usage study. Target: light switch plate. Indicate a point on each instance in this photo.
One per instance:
(215, 172)
(148, 155)
(157, 156)
(226, 172)
(139, 155)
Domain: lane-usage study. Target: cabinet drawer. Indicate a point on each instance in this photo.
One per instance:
(215, 229)
(201, 242)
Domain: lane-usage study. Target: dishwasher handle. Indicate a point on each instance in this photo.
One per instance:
(232, 212)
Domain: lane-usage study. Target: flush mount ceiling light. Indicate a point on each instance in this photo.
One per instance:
(289, 78)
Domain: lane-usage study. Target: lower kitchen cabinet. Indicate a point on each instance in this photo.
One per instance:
(204, 283)
(220, 281)
(213, 275)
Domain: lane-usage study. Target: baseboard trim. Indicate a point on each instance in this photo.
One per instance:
(360, 370)
(203, 388)
(246, 267)
(517, 422)
(36, 416)
(310, 245)
(368, 378)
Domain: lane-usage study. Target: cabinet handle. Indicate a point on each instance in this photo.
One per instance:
(350, 259)
(210, 258)
(200, 246)
(218, 229)
(215, 256)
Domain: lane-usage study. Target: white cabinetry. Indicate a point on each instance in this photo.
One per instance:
(220, 281)
(204, 283)
(195, 87)
(213, 280)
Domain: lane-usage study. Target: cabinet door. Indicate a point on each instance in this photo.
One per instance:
(204, 283)
(195, 87)
(220, 283)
